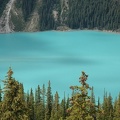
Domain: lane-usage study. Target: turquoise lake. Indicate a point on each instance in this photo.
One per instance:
(60, 57)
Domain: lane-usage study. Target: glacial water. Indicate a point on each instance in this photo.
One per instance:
(60, 57)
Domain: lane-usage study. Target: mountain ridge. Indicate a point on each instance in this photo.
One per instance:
(41, 15)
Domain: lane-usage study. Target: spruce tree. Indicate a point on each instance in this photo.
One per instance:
(110, 107)
(43, 92)
(49, 102)
(39, 114)
(0, 94)
(67, 103)
(81, 105)
(117, 108)
(93, 109)
(63, 108)
(31, 105)
(57, 106)
(100, 112)
(55, 113)
(13, 106)
(0, 101)
(107, 107)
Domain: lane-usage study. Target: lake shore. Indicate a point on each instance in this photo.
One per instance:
(66, 29)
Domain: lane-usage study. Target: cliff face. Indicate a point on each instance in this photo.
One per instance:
(39, 15)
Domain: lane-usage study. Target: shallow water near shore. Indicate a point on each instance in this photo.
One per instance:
(60, 57)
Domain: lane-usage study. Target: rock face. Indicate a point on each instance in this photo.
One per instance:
(63, 28)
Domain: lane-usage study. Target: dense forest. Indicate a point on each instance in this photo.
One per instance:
(73, 14)
(15, 104)
(101, 14)
(27, 7)
(47, 21)
(81, 14)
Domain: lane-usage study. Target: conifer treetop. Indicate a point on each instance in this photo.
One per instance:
(81, 106)
(9, 73)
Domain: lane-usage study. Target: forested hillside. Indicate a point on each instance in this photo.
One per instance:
(2, 5)
(27, 7)
(15, 104)
(100, 14)
(39, 15)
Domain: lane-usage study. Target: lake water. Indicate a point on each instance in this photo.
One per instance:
(60, 57)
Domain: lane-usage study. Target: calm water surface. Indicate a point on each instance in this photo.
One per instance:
(60, 57)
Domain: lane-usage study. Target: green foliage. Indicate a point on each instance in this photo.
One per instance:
(107, 107)
(13, 106)
(49, 102)
(81, 105)
(55, 113)
(100, 14)
(39, 105)
(63, 108)
(43, 102)
(117, 108)
(27, 8)
(46, 20)
(0, 94)
(31, 105)
(0, 100)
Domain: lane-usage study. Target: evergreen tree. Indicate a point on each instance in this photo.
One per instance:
(13, 106)
(49, 102)
(27, 102)
(22, 92)
(43, 102)
(100, 112)
(93, 109)
(81, 105)
(55, 113)
(40, 103)
(31, 105)
(108, 107)
(117, 108)
(39, 106)
(68, 103)
(0, 101)
(63, 108)
(0, 94)
(57, 106)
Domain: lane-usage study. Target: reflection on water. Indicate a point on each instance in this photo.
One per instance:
(60, 57)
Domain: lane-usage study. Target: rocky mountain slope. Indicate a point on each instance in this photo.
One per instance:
(39, 15)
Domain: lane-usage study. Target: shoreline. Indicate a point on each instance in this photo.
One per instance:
(68, 30)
